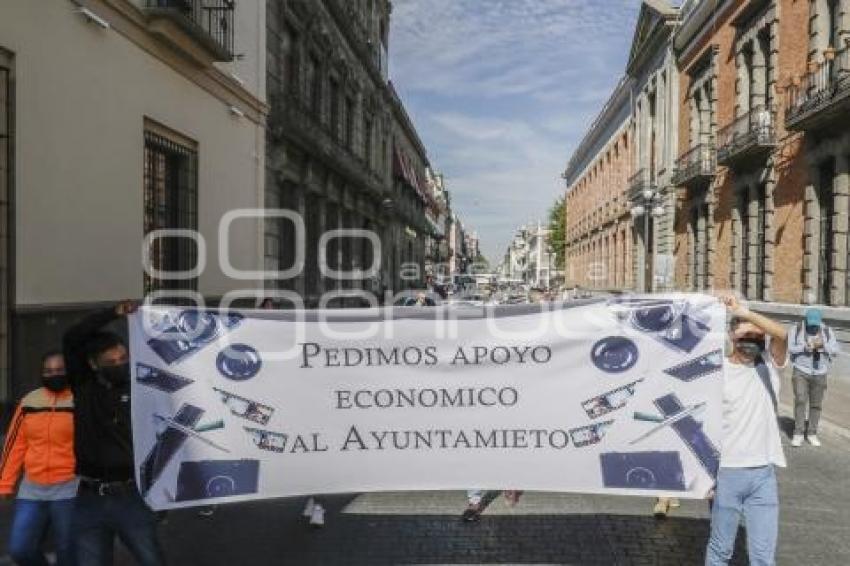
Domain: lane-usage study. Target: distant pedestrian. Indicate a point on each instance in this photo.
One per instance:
(751, 446)
(40, 443)
(108, 504)
(813, 347)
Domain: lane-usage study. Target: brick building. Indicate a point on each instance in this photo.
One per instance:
(599, 238)
(742, 170)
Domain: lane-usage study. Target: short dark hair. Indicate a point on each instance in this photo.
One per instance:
(734, 322)
(102, 341)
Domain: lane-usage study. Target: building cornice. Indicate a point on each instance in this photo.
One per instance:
(128, 20)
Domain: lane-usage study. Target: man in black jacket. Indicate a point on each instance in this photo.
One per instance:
(108, 503)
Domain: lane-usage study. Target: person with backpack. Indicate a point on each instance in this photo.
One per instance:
(813, 347)
(751, 445)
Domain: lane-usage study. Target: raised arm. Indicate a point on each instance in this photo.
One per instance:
(777, 331)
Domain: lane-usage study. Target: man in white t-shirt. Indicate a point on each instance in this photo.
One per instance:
(751, 445)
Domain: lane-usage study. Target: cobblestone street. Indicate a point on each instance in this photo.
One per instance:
(423, 528)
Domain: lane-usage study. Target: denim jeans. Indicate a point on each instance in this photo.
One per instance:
(100, 518)
(750, 492)
(29, 527)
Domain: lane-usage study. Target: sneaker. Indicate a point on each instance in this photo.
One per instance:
(662, 506)
(207, 511)
(813, 439)
(308, 508)
(317, 519)
(797, 440)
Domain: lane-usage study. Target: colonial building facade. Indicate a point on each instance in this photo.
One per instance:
(120, 119)
(655, 119)
(742, 170)
(342, 152)
(599, 235)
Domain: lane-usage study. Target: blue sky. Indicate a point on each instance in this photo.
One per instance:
(502, 91)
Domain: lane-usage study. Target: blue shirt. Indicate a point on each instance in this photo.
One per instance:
(806, 359)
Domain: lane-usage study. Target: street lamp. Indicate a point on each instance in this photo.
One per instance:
(651, 206)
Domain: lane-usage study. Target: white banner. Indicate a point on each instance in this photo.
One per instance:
(620, 397)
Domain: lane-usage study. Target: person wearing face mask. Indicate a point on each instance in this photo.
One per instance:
(40, 443)
(751, 446)
(813, 347)
(108, 504)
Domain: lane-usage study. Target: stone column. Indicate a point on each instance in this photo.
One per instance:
(758, 96)
(299, 205)
(841, 194)
(737, 269)
(769, 233)
(753, 239)
(742, 99)
(811, 239)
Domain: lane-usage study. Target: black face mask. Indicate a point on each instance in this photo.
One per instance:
(55, 383)
(750, 347)
(812, 330)
(115, 375)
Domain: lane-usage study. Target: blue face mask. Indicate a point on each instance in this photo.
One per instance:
(750, 347)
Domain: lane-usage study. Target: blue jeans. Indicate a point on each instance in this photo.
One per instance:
(750, 492)
(100, 518)
(29, 527)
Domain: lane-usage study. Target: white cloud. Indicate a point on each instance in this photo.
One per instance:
(500, 90)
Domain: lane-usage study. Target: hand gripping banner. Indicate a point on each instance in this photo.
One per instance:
(620, 397)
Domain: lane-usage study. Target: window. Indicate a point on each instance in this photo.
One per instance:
(333, 93)
(291, 61)
(349, 123)
(314, 87)
(170, 202)
(367, 140)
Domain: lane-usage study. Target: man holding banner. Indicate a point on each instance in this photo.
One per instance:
(751, 446)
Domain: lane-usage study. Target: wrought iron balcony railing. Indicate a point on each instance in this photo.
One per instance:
(822, 94)
(209, 22)
(698, 163)
(640, 182)
(750, 135)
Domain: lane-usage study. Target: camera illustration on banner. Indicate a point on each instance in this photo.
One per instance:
(167, 444)
(238, 362)
(591, 434)
(246, 408)
(175, 337)
(267, 440)
(669, 321)
(614, 354)
(698, 367)
(691, 433)
(160, 379)
(643, 470)
(610, 401)
(210, 479)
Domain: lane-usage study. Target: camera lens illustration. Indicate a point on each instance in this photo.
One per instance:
(614, 354)
(238, 362)
(198, 326)
(220, 486)
(654, 319)
(640, 478)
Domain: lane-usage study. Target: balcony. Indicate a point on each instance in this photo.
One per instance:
(696, 165)
(749, 138)
(640, 182)
(820, 100)
(201, 29)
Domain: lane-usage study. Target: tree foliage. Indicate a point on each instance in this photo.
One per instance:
(558, 231)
